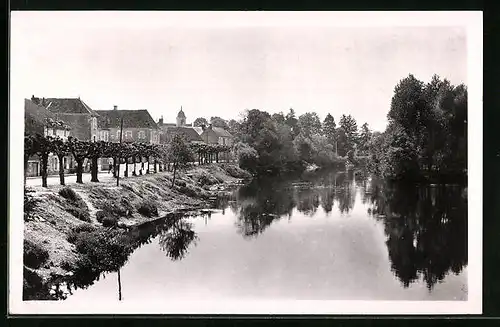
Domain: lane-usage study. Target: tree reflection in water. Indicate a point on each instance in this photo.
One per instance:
(262, 202)
(175, 241)
(426, 229)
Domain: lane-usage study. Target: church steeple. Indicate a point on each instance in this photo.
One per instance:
(181, 118)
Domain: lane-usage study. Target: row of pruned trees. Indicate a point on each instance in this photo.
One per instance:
(171, 156)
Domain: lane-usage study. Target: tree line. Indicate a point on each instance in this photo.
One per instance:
(426, 138)
(277, 143)
(170, 156)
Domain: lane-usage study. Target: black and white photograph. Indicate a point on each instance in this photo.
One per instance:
(245, 162)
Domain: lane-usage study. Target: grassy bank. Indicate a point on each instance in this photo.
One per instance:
(64, 225)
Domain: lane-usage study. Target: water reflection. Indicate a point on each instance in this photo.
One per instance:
(426, 226)
(426, 229)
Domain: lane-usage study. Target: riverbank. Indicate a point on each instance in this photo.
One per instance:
(58, 210)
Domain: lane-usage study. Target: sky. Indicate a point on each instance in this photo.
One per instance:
(218, 66)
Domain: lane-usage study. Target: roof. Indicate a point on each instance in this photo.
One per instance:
(131, 119)
(68, 105)
(221, 132)
(80, 125)
(188, 132)
(198, 129)
(36, 117)
(181, 114)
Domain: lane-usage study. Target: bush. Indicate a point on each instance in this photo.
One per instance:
(82, 228)
(69, 194)
(102, 250)
(79, 213)
(34, 255)
(122, 209)
(109, 221)
(100, 214)
(148, 208)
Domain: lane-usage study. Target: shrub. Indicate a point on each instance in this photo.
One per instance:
(109, 221)
(100, 214)
(82, 228)
(102, 250)
(148, 208)
(122, 209)
(34, 255)
(79, 213)
(69, 194)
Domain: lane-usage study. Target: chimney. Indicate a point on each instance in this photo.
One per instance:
(160, 121)
(115, 107)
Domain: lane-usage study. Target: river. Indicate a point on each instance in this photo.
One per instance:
(326, 236)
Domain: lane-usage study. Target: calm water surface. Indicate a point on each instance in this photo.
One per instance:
(335, 236)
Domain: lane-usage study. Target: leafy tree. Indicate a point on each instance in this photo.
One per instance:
(279, 118)
(347, 134)
(219, 122)
(329, 128)
(180, 154)
(292, 122)
(61, 149)
(309, 123)
(364, 138)
(41, 145)
(95, 151)
(80, 150)
(200, 121)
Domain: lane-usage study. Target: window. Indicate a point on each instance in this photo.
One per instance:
(141, 135)
(128, 134)
(94, 123)
(118, 134)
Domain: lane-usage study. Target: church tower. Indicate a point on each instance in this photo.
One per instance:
(181, 118)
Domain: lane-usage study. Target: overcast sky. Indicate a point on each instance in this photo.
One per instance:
(215, 69)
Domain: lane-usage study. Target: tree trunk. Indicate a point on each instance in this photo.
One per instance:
(135, 159)
(175, 170)
(155, 163)
(79, 171)
(147, 171)
(160, 166)
(142, 167)
(94, 170)
(217, 157)
(126, 167)
(45, 162)
(114, 167)
(61, 169)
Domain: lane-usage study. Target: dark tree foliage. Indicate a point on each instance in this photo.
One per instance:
(427, 133)
(200, 121)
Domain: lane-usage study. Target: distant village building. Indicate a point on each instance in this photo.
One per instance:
(216, 135)
(179, 128)
(208, 134)
(138, 126)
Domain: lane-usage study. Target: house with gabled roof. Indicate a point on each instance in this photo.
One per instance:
(216, 135)
(76, 113)
(168, 130)
(138, 126)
